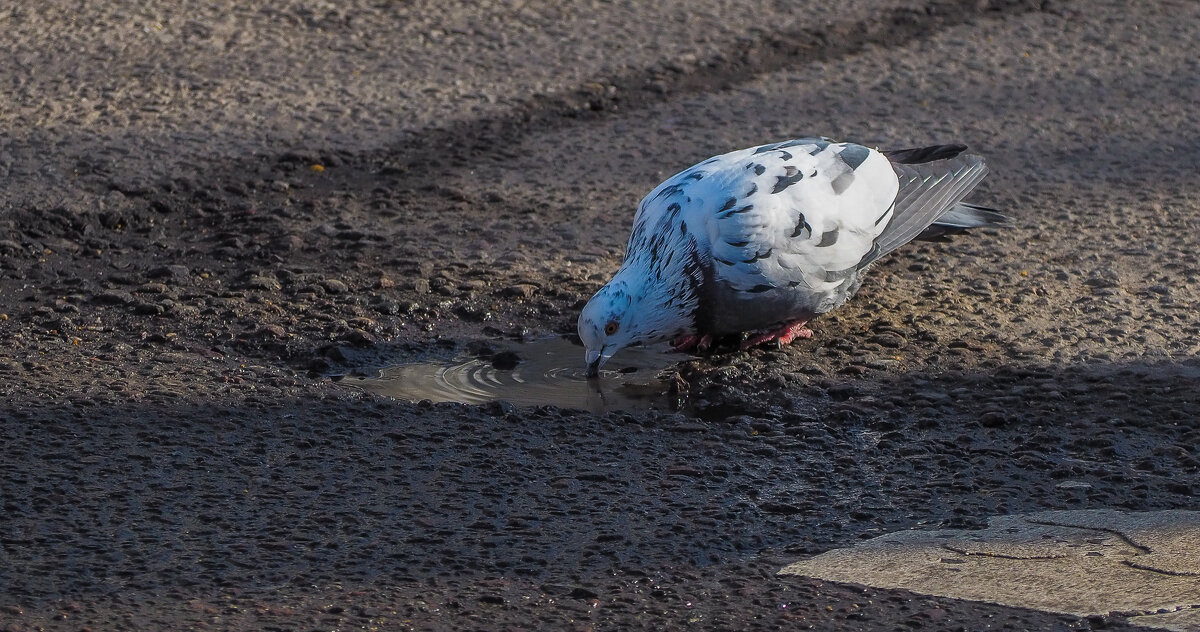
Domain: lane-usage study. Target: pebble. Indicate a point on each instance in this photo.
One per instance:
(520, 290)
(889, 340)
(262, 283)
(173, 271)
(334, 286)
(506, 360)
(271, 331)
(113, 297)
(153, 288)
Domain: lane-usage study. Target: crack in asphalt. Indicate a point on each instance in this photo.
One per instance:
(1002, 556)
(1143, 567)
(1124, 538)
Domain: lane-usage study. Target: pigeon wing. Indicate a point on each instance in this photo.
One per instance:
(808, 214)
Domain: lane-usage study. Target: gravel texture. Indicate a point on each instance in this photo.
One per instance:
(208, 209)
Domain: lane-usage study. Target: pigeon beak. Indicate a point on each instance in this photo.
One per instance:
(594, 360)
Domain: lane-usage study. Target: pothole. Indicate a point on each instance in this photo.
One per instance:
(543, 372)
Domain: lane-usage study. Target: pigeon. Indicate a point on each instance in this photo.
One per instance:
(763, 239)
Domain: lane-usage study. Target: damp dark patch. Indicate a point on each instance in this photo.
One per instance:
(543, 372)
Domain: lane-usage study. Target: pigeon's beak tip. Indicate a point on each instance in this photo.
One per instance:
(593, 359)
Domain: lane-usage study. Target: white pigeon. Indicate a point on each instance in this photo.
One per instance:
(764, 239)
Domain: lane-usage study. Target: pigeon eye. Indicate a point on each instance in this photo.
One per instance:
(610, 328)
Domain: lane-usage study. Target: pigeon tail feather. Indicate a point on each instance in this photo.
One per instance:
(927, 193)
(917, 155)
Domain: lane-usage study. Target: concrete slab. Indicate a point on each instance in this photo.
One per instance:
(1143, 565)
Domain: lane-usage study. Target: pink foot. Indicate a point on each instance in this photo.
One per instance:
(782, 336)
(692, 342)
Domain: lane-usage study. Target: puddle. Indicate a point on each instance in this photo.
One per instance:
(544, 372)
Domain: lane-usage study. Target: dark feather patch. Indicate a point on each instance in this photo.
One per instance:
(668, 191)
(854, 155)
(801, 226)
(828, 238)
(918, 155)
(757, 256)
(758, 289)
(783, 182)
(736, 211)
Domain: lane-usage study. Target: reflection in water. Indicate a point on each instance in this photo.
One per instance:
(550, 372)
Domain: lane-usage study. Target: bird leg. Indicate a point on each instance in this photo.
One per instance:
(782, 336)
(690, 342)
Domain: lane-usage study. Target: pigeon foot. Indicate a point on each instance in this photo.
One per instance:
(692, 342)
(782, 336)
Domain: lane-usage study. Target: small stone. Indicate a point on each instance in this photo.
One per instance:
(287, 242)
(520, 290)
(358, 337)
(583, 593)
(505, 361)
(173, 271)
(421, 286)
(113, 297)
(362, 322)
(148, 309)
(385, 283)
(262, 283)
(386, 307)
(334, 286)
(993, 419)
(890, 340)
(271, 331)
(152, 288)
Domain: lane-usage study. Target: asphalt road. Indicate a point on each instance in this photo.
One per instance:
(208, 210)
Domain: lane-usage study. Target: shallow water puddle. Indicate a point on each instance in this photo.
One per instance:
(544, 372)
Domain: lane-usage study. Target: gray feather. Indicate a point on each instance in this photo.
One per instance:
(927, 193)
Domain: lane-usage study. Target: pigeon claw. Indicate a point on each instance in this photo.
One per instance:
(692, 342)
(782, 336)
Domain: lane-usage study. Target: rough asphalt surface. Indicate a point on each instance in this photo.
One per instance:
(207, 211)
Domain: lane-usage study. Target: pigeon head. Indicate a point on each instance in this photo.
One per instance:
(635, 307)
